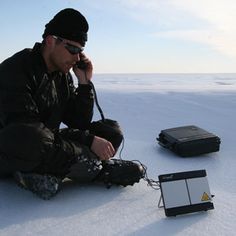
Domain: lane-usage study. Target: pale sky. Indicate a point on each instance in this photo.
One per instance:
(135, 36)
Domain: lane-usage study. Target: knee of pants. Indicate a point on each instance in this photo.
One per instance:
(25, 141)
(108, 129)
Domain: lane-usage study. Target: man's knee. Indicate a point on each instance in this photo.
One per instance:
(108, 129)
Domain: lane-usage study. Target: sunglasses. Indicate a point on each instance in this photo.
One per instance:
(72, 49)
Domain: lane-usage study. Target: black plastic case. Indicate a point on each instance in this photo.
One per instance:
(187, 141)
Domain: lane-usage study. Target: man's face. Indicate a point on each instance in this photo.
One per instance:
(64, 54)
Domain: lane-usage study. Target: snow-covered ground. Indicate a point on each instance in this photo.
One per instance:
(144, 105)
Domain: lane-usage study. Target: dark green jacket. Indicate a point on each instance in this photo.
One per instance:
(29, 94)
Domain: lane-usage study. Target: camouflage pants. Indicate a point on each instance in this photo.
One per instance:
(34, 148)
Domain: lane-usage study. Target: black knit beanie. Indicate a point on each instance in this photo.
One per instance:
(69, 24)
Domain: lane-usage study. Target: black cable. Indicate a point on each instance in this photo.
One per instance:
(95, 97)
(96, 101)
(122, 147)
(150, 182)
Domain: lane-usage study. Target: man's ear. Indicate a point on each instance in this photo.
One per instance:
(49, 40)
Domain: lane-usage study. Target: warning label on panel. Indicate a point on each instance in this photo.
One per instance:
(205, 197)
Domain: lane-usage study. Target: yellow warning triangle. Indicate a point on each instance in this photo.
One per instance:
(205, 197)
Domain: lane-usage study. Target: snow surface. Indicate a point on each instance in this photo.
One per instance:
(144, 105)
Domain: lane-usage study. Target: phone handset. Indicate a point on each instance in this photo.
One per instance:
(81, 63)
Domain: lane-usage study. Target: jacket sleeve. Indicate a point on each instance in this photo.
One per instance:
(16, 101)
(79, 110)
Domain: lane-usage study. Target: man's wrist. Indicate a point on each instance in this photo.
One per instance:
(82, 79)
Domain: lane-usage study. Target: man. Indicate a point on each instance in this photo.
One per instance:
(37, 94)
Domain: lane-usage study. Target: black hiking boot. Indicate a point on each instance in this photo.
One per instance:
(120, 172)
(44, 186)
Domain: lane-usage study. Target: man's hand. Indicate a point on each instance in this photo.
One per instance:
(102, 148)
(84, 75)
